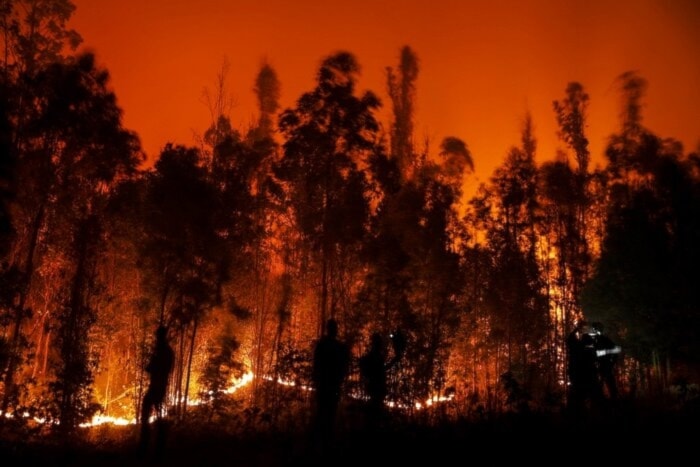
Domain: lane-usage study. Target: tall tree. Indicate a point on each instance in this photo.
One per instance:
(7, 169)
(185, 251)
(641, 284)
(566, 202)
(329, 136)
(571, 117)
(401, 85)
(624, 152)
(267, 207)
(35, 32)
(514, 296)
(34, 37)
(267, 91)
(75, 149)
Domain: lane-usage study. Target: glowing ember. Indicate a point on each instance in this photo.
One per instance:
(102, 419)
(419, 405)
(239, 383)
(97, 420)
(285, 382)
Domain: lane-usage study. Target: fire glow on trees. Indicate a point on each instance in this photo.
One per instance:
(243, 244)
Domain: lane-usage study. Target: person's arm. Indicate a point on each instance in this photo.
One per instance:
(609, 351)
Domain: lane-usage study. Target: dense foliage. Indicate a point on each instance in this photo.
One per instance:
(244, 245)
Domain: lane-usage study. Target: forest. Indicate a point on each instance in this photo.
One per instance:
(247, 242)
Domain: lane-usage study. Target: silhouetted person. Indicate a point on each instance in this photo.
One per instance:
(159, 367)
(330, 368)
(583, 376)
(606, 353)
(373, 370)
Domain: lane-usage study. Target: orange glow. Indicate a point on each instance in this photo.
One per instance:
(482, 64)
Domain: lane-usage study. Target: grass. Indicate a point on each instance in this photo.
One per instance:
(629, 432)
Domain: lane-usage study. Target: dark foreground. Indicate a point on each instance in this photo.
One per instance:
(609, 439)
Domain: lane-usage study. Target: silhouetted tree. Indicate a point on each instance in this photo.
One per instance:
(185, 254)
(514, 296)
(34, 36)
(221, 367)
(75, 150)
(35, 33)
(566, 209)
(7, 169)
(625, 151)
(642, 281)
(97, 153)
(330, 135)
(401, 85)
(571, 117)
(267, 91)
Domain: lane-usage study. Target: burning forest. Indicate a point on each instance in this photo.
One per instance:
(243, 246)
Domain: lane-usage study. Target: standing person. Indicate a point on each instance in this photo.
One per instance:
(607, 353)
(583, 377)
(159, 367)
(373, 369)
(574, 354)
(330, 368)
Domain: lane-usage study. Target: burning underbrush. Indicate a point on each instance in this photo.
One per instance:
(271, 426)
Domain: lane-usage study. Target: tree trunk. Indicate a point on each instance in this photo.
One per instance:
(189, 366)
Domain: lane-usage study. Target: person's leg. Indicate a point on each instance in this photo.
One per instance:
(161, 430)
(610, 383)
(146, 408)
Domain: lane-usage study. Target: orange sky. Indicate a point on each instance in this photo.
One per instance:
(483, 63)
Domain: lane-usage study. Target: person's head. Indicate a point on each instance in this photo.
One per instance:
(332, 327)
(376, 341)
(161, 333)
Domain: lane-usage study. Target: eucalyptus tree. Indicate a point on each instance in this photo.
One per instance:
(268, 287)
(184, 249)
(401, 86)
(34, 37)
(642, 286)
(627, 153)
(240, 171)
(414, 279)
(560, 237)
(566, 205)
(571, 116)
(438, 282)
(7, 193)
(329, 136)
(514, 296)
(81, 152)
(385, 286)
(238, 165)
(96, 155)
(35, 33)
(7, 170)
(267, 91)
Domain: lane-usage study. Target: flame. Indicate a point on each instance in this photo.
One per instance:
(236, 384)
(290, 383)
(420, 405)
(239, 383)
(103, 419)
(40, 420)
